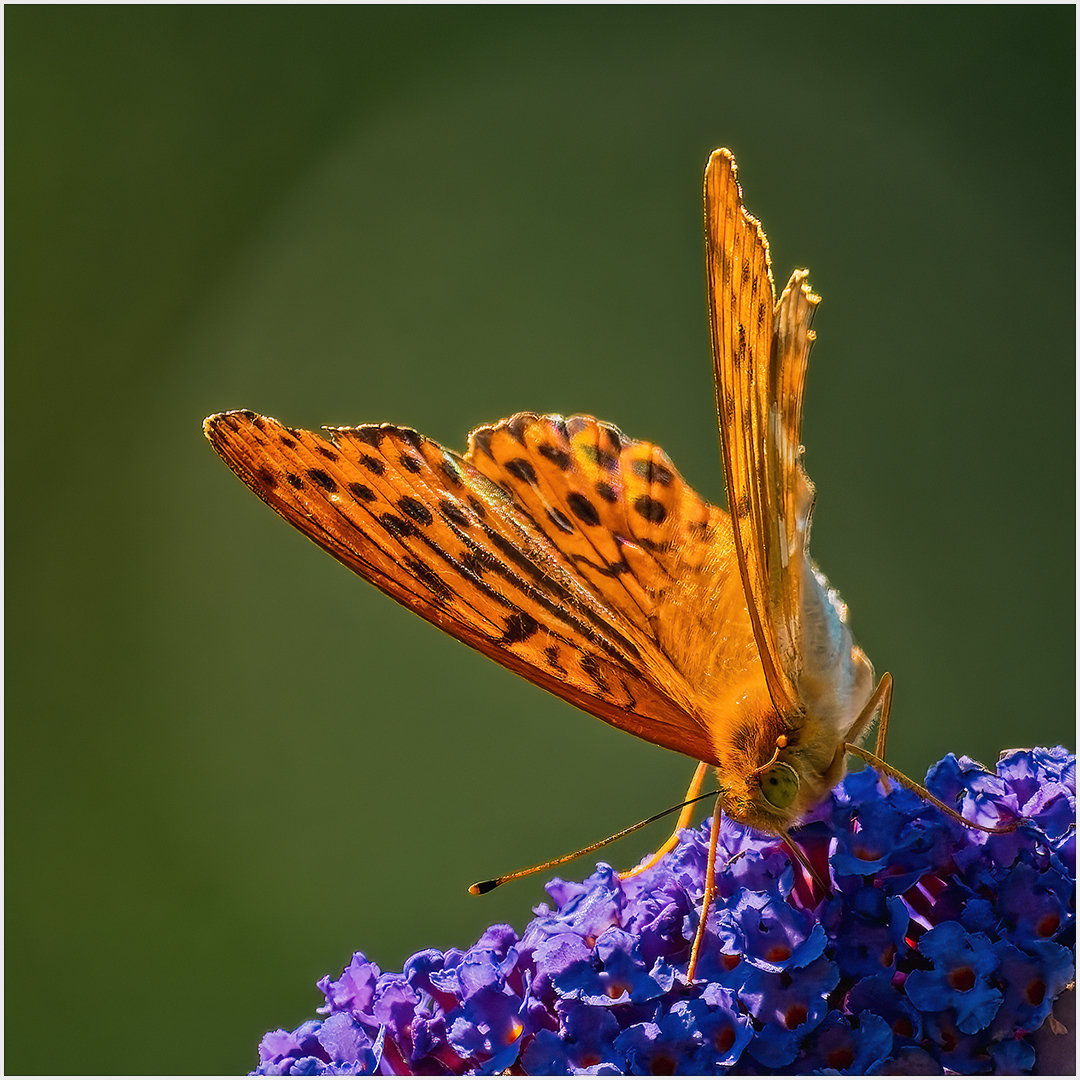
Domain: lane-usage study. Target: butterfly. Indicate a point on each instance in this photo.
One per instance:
(580, 558)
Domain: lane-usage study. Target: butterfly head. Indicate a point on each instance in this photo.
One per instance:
(761, 779)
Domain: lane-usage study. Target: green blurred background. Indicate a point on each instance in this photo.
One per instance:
(230, 763)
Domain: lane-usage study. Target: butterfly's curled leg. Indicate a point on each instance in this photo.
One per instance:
(710, 893)
(683, 823)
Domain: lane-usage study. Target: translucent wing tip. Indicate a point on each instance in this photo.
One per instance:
(212, 425)
(722, 158)
(723, 195)
(800, 282)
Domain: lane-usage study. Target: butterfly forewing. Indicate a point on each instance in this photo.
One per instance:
(759, 399)
(473, 554)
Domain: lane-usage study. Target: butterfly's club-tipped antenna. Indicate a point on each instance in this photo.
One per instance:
(481, 887)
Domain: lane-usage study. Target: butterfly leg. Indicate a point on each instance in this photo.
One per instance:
(887, 770)
(883, 718)
(683, 823)
(880, 705)
(710, 893)
(881, 700)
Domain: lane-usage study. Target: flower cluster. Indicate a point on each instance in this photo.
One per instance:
(939, 947)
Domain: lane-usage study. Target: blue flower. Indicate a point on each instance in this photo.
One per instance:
(939, 947)
(615, 974)
(960, 979)
(1036, 904)
(1031, 981)
(769, 932)
(850, 1045)
(788, 1006)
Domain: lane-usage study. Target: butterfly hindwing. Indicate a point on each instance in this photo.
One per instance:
(463, 550)
(616, 508)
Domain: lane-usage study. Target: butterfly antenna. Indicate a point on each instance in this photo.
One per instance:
(481, 887)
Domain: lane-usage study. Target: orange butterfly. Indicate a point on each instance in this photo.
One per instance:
(580, 559)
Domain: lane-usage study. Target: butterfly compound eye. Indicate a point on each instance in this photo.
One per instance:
(780, 785)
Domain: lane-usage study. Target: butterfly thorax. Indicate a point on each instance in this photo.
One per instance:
(758, 746)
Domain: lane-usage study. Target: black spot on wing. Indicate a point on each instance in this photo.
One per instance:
(412, 437)
(267, 479)
(451, 471)
(371, 434)
(551, 655)
(326, 452)
(410, 463)
(324, 480)
(650, 509)
(521, 469)
(606, 491)
(556, 455)
(519, 627)
(416, 510)
(362, 492)
(583, 509)
(287, 442)
(373, 465)
(516, 426)
(454, 514)
(594, 454)
(607, 569)
(482, 439)
(649, 470)
(397, 526)
(295, 481)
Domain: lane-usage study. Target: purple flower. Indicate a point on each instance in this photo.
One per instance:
(940, 947)
(584, 1040)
